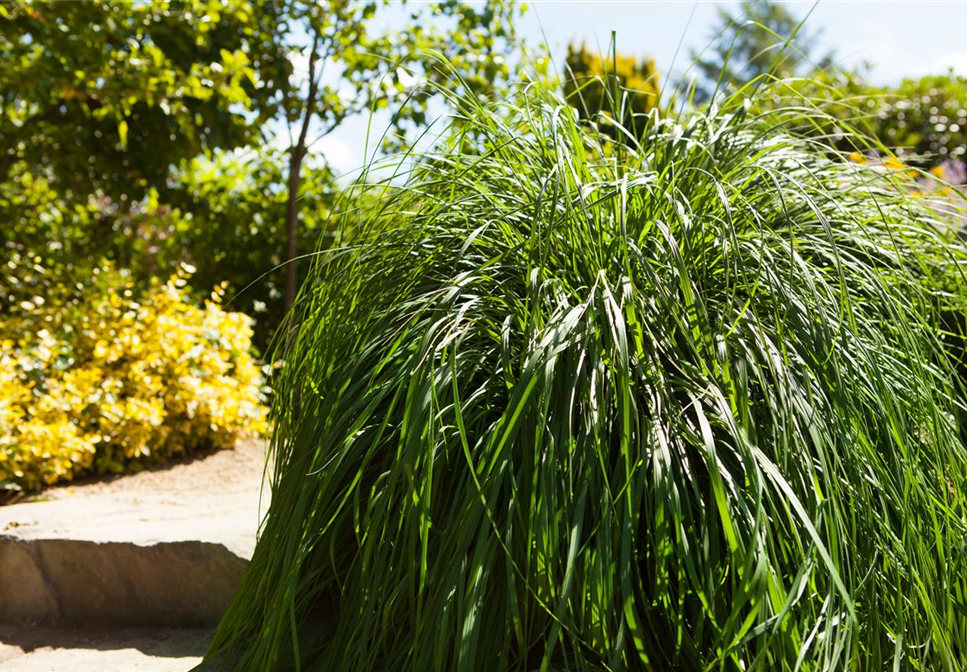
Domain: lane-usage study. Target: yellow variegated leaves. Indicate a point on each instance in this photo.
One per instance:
(121, 383)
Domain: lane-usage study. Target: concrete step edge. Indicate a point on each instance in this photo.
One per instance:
(182, 584)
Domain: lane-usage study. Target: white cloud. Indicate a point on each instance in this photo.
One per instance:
(956, 61)
(340, 155)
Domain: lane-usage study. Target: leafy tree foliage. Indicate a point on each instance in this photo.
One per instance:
(102, 102)
(109, 96)
(750, 41)
(375, 68)
(115, 115)
(225, 217)
(229, 222)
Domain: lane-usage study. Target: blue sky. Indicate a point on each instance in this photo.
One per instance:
(899, 38)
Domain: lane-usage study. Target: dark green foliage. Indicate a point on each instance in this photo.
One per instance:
(229, 223)
(563, 407)
(110, 96)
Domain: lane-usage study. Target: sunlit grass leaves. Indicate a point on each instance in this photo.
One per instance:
(568, 405)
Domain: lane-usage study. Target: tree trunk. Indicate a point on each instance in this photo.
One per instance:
(297, 154)
(292, 226)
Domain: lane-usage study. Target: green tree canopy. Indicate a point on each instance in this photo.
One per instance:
(116, 115)
(349, 66)
(751, 41)
(108, 96)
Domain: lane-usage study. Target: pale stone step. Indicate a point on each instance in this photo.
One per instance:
(163, 548)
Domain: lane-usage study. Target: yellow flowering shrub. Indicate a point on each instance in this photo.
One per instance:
(112, 383)
(587, 75)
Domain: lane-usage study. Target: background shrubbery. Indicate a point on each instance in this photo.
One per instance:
(139, 138)
(108, 379)
(921, 121)
(597, 85)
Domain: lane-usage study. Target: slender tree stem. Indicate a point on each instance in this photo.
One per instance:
(296, 155)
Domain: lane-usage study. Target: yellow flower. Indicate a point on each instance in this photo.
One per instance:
(893, 163)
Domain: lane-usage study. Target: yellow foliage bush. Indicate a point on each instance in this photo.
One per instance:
(111, 383)
(590, 81)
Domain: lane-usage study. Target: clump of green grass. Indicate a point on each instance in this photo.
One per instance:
(573, 405)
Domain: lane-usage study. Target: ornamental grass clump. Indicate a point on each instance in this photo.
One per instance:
(566, 404)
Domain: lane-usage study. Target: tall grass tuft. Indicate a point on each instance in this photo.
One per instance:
(568, 404)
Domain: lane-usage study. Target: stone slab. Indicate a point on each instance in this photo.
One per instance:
(159, 548)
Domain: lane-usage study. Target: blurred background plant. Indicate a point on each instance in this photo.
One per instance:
(922, 122)
(751, 40)
(603, 87)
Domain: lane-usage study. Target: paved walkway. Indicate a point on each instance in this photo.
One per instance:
(131, 572)
(40, 649)
(214, 498)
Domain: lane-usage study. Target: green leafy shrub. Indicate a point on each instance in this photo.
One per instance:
(230, 224)
(569, 408)
(104, 382)
(225, 216)
(922, 121)
(926, 119)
